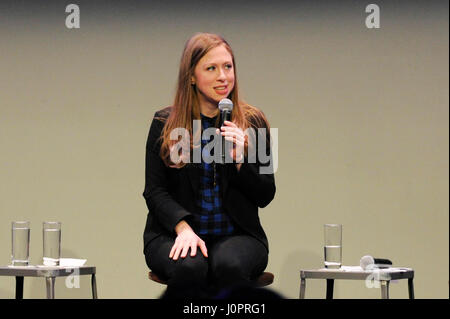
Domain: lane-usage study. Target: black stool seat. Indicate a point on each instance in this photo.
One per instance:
(265, 279)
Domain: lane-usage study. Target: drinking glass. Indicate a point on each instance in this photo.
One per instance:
(52, 243)
(333, 246)
(20, 249)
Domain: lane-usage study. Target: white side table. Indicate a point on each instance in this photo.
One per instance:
(49, 273)
(384, 276)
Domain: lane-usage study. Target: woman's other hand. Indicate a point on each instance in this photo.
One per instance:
(233, 133)
(186, 238)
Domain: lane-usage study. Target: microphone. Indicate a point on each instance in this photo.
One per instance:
(368, 262)
(225, 107)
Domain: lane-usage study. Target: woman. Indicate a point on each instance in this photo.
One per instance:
(203, 228)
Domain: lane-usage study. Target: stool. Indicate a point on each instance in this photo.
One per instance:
(265, 279)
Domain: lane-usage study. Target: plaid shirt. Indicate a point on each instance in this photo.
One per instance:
(210, 220)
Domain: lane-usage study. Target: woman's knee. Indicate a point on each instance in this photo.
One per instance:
(234, 268)
(190, 268)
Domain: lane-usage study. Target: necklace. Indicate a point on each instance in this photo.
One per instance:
(214, 174)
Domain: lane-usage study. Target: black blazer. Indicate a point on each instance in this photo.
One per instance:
(170, 192)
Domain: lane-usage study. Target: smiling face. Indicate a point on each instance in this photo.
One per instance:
(214, 77)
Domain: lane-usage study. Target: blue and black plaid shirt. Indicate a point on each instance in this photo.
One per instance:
(210, 219)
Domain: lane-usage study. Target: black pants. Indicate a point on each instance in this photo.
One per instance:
(232, 260)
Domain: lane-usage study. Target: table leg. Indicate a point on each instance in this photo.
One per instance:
(94, 287)
(384, 289)
(330, 287)
(19, 287)
(50, 281)
(410, 288)
(302, 288)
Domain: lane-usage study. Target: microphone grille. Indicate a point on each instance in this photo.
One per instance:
(225, 105)
(366, 261)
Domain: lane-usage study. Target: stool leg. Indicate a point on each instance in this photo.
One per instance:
(19, 287)
(384, 289)
(410, 288)
(302, 288)
(330, 287)
(94, 287)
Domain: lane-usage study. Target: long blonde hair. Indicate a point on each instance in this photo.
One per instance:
(186, 106)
